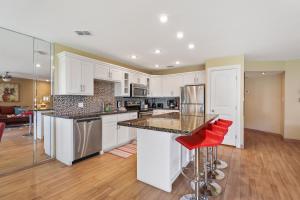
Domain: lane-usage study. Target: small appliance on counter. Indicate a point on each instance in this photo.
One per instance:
(153, 105)
(160, 105)
(172, 104)
(140, 106)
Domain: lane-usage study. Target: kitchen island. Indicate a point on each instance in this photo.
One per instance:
(159, 156)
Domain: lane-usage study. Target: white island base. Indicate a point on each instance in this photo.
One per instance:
(158, 158)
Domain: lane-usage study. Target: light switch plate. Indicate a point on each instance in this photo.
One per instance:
(80, 105)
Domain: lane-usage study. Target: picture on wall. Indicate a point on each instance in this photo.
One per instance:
(9, 92)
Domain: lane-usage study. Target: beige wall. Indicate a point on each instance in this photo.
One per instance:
(263, 103)
(26, 93)
(26, 87)
(291, 91)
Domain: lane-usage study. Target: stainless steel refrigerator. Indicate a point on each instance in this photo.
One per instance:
(193, 99)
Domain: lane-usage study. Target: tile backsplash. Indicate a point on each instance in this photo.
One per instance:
(103, 93)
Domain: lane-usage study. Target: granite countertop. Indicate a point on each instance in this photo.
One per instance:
(171, 122)
(85, 115)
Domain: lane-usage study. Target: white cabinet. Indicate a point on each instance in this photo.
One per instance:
(171, 85)
(191, 78)
(75, 75)
(116, 74)
(139, 78)
(102, 71)
(156, 86)
(123, 88)
(114, 135)
(106, 71)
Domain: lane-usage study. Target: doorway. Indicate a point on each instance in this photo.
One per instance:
(264, 102)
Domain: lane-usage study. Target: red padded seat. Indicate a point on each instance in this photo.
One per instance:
(204, 138)
(224, 123)
(219, 130)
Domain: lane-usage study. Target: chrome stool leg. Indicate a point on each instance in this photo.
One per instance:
(197, 180)
(213, 172)
(209, 188)
(220, 164)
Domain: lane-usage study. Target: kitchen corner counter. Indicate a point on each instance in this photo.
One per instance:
(85, 115)
(171, 122)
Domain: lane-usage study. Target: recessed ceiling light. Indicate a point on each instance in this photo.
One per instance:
(47, 80)
(163, 18)
(157, 66)
(177, 62)
(179, 35)
(133, 56)
(191, 46)
(38, 65)
(157, 51)
(263, 73)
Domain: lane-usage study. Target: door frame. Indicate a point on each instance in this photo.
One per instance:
(239, 143)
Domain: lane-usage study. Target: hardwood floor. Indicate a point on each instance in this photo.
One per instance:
(16, 150)
(268, 168)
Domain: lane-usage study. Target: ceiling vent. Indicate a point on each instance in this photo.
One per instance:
(82, 33)
(170, 66)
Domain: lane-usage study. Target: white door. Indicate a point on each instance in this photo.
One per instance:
(87, 78)
(224, 91)
(74, 76)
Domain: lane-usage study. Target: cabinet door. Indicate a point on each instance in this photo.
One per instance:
(73, 76)
(123, 135)
(143, 79)
(109, 135)
(87, 78)
(167, 86)
(102, 72)
(176, 82)
(200, 77)
(156, 86)
(189, 78)
(116, 74)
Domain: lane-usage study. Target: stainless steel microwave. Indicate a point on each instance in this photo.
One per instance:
(138, 90)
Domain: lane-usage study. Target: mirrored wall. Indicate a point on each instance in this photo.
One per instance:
(25, 99)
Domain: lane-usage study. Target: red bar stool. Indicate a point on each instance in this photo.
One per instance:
(203, 139)
(214, 172)
(221, 126)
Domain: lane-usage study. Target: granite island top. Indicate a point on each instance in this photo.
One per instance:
(171, 122)
(85, 115)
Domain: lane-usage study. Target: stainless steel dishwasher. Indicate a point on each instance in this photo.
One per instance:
(87, 137)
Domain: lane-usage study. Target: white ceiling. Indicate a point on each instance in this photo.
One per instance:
(262, 30)
(19, 55)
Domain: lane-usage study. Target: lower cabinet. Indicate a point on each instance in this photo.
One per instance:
(114, 135)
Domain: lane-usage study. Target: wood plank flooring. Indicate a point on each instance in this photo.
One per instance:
(16, 150)
(268, 168)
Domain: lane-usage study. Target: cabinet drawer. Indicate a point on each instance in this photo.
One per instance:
(123, 117)
(133, 116)
(109, 119)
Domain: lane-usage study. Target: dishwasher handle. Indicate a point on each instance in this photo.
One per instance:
(87, 119)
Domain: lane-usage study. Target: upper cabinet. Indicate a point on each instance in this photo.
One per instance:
(123, 88)
(194, 78)
(171, 85)
(155, 86)
(106, 71)
(75, 75)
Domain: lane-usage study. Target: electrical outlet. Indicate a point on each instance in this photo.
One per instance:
(80, 105)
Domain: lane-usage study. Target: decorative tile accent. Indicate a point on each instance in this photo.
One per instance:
(103, 93)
